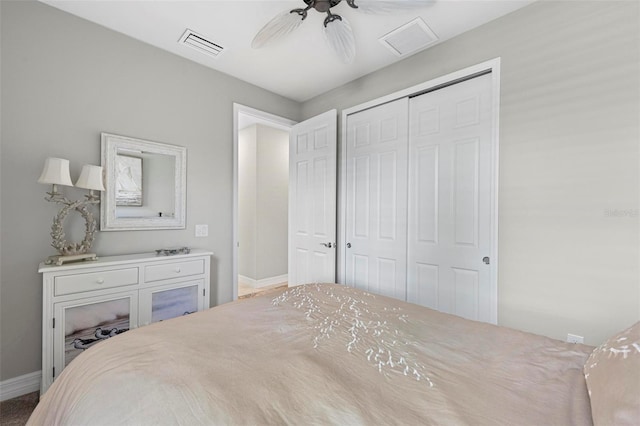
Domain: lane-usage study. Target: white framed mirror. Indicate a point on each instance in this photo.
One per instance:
(146, 184)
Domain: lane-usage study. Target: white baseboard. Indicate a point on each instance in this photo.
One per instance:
(20, 385)
(246, 281)
(263, 282)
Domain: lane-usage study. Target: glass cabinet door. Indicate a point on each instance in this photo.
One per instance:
(81, 324)
(169, 301)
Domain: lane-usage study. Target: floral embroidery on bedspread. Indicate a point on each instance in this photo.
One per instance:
(347, 316)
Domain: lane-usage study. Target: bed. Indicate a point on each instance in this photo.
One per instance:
(327, 354)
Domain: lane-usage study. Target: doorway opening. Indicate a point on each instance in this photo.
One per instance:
(260, 201)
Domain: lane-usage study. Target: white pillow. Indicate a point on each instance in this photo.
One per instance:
(612, 373)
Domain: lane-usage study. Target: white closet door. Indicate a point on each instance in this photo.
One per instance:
(376, 216)
(450, 209)
(312, 200)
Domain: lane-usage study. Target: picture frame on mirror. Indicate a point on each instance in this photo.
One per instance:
(128, 181)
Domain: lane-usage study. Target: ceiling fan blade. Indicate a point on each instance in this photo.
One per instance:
(386, 6)
(340, 37)
(279, 26)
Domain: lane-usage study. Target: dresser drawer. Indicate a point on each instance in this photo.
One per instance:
(167, 271)
(69, 284)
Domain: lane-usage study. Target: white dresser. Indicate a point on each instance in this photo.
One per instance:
(86, 303)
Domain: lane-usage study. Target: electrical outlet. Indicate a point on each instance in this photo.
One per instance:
(574, 338)
(202, 230)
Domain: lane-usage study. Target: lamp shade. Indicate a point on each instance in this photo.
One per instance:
(56, 172)
(90, 178)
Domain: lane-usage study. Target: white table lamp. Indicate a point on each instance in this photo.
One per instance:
(91, 179)
(56, 172)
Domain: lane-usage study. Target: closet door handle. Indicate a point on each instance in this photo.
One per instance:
(327, 245)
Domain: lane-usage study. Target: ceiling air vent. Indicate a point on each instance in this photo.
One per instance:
(200, 43)
(409, 38)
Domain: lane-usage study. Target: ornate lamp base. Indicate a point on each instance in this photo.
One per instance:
(59, 260)
(72, 252)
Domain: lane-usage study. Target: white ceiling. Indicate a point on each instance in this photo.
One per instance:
(299, 66)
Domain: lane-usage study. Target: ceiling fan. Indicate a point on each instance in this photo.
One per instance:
(337, 30)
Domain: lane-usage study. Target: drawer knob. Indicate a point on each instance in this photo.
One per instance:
(100, 280)
(178, 270)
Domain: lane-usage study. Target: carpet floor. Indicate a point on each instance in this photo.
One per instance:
(16, 411)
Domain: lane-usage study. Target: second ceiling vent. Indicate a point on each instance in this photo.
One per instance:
(200, 43)
(409, 38)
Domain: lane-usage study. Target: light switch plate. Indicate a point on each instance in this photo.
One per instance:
(202, 230)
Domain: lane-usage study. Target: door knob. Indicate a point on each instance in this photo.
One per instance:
(327, 245)
(486, 260)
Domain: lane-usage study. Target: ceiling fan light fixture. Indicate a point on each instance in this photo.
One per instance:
(337, 30)
(323, 6)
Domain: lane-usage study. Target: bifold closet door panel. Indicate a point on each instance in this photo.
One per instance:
(376, 210)
(450, 183)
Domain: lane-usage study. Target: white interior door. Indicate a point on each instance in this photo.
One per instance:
(312, 200)
(376, 216)
(450, 207)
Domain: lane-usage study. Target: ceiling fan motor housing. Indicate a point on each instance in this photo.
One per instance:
(322, 5)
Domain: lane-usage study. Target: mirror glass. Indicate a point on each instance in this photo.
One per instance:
(145, 184)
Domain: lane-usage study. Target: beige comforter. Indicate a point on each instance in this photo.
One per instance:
(321, 354)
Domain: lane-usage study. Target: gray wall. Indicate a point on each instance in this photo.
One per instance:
(263, 197)
(247, 185)
(64, 80)
(569, 132)
(272, 202)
